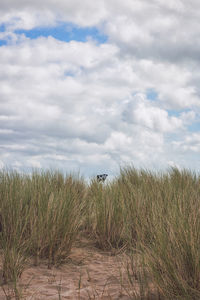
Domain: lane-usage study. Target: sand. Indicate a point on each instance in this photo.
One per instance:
(89, 273)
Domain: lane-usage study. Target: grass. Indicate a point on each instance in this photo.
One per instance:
(155, 217)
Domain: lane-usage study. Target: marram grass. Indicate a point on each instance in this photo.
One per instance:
(164, 226)
(154, 216)
(40, 216)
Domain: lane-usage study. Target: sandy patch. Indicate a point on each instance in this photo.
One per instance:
(88, 274)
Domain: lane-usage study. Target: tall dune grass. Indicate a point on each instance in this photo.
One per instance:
(40, 216)
(164, 226)
(106, 215)
(55, 219)
(154, 216)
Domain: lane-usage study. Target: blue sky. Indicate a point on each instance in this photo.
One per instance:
(92, 87)
(152, 94)
(65, 32)
(2, 42)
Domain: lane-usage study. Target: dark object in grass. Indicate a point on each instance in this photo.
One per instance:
(102, 177)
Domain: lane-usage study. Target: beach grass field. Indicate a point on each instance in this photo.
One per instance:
(151, 221)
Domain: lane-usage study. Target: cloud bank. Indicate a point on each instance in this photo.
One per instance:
(83, 103)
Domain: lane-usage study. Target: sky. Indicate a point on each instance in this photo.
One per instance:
(91, 86)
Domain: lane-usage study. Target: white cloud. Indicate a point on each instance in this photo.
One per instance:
(32, 162)
(155, 30)
(190, 143)
(142, 112)
(85, 105)
(29, 14)
(188, 117)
